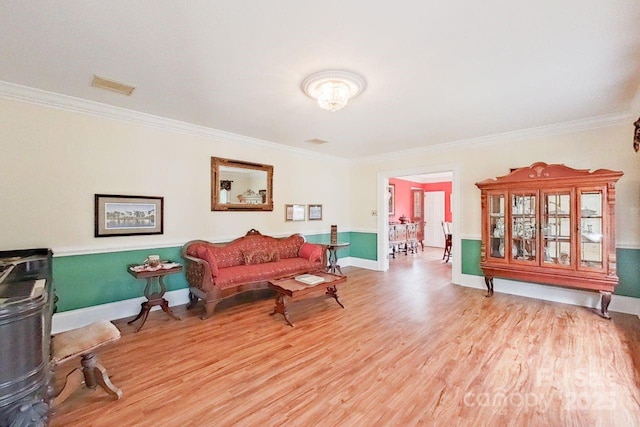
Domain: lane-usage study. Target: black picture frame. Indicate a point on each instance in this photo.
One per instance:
(123, 215)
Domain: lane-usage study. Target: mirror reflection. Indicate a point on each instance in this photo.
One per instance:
(238, 185)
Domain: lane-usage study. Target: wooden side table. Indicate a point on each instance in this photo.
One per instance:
(333, 256)
(154, 290)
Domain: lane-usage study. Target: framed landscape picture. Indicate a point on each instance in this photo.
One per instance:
(117, 215)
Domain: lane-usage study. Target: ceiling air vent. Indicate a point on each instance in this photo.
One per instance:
(102, 83)
(316, 141)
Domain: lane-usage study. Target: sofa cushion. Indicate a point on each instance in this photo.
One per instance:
(232, 276)
(289, 247)
(311, 251)
(260, 256)
(209, 256)
(194, 249)
(227, 256)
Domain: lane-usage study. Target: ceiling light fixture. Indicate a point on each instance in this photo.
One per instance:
(333, 89)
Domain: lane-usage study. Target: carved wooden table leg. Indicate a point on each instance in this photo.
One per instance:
(605, 299)
(488, 281)
(281, 308)
(333, 292)
(153, 299)
(142, 310)
(164, 304)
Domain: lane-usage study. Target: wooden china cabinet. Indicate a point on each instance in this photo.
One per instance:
(551, 224)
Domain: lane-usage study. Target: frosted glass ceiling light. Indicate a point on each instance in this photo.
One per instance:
(333, 89)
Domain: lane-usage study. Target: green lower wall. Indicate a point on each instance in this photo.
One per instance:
(628, 265)
(470, 257)
(87, 280)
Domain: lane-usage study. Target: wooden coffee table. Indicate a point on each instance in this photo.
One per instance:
(289, 287)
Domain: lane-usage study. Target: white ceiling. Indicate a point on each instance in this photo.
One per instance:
(436, 71)
(428, 178)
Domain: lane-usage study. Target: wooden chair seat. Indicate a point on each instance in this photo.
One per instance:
(82, 342)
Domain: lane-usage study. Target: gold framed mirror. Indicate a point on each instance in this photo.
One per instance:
(241, 186)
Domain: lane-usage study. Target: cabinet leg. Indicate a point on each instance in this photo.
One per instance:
(488, 281)
(605, 299)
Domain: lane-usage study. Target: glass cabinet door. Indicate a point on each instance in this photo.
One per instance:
(556, 228)
(496, 225)
(524, 234)
(591, 229)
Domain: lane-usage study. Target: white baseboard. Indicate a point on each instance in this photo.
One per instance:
(358, 262)
(619, 303)
(73, 319)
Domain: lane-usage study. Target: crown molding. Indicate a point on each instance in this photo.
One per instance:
(41, 97)
(45, 98)
(518, 135)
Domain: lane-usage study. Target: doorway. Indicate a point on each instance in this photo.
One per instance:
(437, 207)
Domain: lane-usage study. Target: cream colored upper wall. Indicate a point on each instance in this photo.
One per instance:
(53, 162)
(608, 147)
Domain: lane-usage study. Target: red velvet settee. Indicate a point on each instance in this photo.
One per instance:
(219, 271)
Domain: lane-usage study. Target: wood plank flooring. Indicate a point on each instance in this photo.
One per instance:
(409, 349)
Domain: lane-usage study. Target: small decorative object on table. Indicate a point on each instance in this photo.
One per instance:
(152, 260)
(309, 279)
(334, 234)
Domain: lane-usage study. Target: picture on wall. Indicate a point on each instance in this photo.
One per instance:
(391, 196)
(118, 215)
(315, 212)
(294, 212)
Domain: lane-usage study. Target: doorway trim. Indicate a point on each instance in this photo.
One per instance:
(383, 214)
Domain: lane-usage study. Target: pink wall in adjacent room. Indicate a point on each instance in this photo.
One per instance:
(403, 197)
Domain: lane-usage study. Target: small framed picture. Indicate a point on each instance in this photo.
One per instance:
(117, 215)
(294, 212)
(315, 212)
(391, 198)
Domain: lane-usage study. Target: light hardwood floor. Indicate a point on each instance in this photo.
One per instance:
(409, 349)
